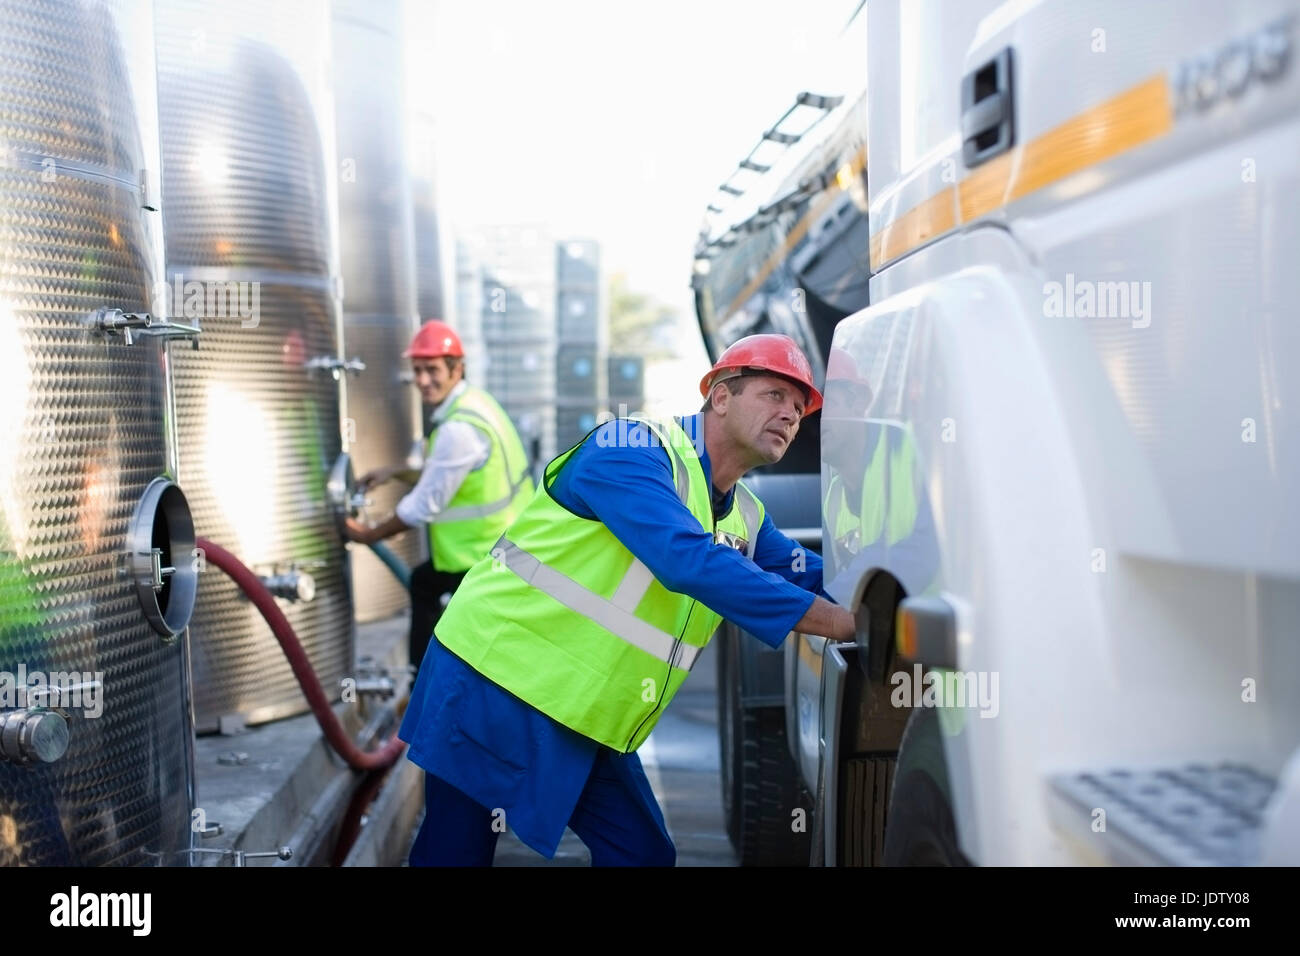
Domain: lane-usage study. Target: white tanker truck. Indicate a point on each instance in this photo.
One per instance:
(1060, 453)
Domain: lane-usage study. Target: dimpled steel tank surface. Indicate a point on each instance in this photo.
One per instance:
(247, 139)
(379, 279)
(84, 435)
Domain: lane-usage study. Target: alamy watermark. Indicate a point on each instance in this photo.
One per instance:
(66, 690)
(643, 431)
(1086, 299)
(945, 688)
(208, 299)
(127, 910)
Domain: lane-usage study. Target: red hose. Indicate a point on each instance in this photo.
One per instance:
(386, 755)
(351, 826)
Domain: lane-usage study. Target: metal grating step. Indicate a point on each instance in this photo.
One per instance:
(1187, 816)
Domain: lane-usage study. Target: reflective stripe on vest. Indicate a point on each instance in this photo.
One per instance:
(491, 495)
(562, 615)
(749, 513)
(614, 616)
(466, 512)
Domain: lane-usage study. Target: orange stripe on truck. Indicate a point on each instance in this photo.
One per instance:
(1134, 117)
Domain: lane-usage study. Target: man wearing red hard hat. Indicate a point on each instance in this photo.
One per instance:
(561, 649)
(474, 482)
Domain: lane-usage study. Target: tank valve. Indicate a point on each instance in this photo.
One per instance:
(33, 735)
(373, 679)
(340, 488)
(336, 366)
(241, 856)
(294, 585)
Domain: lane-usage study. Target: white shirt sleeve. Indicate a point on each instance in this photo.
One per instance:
(460, 449)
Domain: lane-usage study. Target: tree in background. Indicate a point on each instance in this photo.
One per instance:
(638, 324)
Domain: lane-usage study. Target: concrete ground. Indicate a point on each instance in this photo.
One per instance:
(279, 784)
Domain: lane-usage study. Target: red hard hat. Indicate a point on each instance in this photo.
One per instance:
(435, 339)
(767, 352)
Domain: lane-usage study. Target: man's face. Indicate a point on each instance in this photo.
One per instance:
(764, 418)
(434, 379)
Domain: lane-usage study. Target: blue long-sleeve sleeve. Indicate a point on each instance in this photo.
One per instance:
(786, 557)
(623, 478)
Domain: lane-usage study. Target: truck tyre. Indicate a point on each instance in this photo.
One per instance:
(922, 828)
(760, 785)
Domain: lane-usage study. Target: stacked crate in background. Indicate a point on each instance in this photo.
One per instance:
(517, 279)
(581, 330)
(467, 318)
(626, 384)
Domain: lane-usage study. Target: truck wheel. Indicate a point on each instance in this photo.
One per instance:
(760, 785)
(863, 800)
(922, 829)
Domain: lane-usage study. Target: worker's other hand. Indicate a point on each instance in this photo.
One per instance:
(372, 479)
(354, 530)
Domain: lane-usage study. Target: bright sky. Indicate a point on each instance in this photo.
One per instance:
(610, 119)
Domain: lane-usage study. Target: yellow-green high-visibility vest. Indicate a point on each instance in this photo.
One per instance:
(491, 496)
(564, 617)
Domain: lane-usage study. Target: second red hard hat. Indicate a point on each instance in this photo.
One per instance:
(434, 340)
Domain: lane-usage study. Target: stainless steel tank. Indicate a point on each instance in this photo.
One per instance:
(248, 196)
(430, 296)
(379, 293)
(91, 615)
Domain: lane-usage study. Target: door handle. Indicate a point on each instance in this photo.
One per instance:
(988, 110)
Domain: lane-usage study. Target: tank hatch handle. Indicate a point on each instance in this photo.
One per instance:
(988, 110)
(132, 324)
(335, 366)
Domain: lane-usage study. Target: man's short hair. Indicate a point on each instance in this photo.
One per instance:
(734, 385)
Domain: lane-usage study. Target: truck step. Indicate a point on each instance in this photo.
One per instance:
(1194, 815)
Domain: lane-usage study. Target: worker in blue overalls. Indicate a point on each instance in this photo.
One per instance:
(563, 646)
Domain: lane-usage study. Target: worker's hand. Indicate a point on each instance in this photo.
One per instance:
(846, 626)
(829, 620)
(373, 479)
(356, 531)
